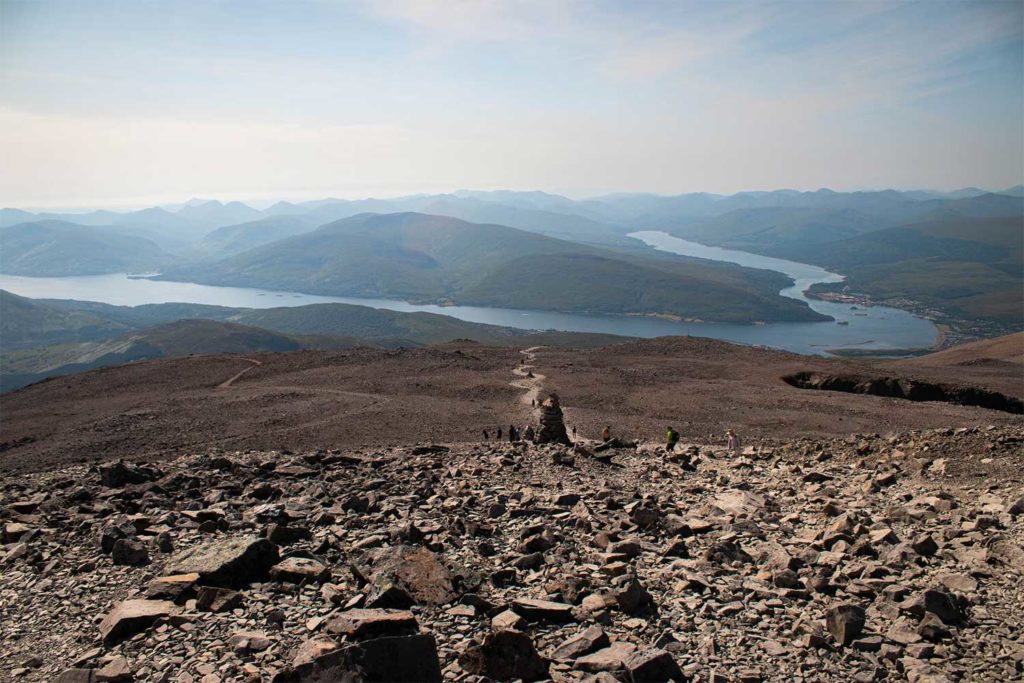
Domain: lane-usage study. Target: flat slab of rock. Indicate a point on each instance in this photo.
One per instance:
(299, 570)
(226, 562)
(132, 616)
(543, 610)
(589, 640)
(739, 503)
(370, 623)
(176, 588)
(611, 658)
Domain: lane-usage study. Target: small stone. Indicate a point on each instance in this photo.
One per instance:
(249, 641)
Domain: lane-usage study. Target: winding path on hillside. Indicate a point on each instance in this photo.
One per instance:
(231, 380)
(529, 381)
(533, 385)
(373, 399)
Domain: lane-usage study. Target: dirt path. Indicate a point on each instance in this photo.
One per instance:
(531, 384)
(231, 380)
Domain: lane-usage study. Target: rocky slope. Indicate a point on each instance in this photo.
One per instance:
(857, 559)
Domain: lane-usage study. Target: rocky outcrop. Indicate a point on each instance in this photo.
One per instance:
(909, 389)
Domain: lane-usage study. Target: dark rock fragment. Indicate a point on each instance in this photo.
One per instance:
(845, 622)
(505, 655)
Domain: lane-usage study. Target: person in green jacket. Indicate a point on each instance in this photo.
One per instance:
(671, 439)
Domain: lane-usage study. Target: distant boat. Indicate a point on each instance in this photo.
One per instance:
(842, 322)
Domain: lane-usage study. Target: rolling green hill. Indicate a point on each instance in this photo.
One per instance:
(27, 322)
(45, 338)
(182, 338)
(966, 267)
(234, 239)
(66, 320)
(425, 258)
(58, 248)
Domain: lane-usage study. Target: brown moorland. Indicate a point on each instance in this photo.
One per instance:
(364, 398)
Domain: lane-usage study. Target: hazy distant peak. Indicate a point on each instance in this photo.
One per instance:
(283, 207)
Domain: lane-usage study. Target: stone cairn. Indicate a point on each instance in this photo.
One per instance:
(552, 426)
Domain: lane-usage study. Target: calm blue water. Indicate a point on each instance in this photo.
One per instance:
(872, 328)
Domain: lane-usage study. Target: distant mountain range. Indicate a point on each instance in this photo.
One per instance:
(587, 263)
(58, 248)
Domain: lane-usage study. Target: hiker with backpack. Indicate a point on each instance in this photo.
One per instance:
(671, 439)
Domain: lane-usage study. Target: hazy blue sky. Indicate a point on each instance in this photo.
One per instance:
(131, 102)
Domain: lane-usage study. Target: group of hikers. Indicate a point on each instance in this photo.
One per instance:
(733, 444)
(514, 434)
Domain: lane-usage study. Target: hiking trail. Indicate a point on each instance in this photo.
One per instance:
(533, 384)
(231, 380)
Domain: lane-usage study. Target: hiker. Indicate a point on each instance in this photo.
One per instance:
(498, 437)
(606, 433)
(486, 435)
(672, 438)
(529, 434)
(574, 433)
(734, 444)
(512, 435)
(533, 403)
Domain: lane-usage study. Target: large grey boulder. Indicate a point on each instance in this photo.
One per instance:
(226, 562)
